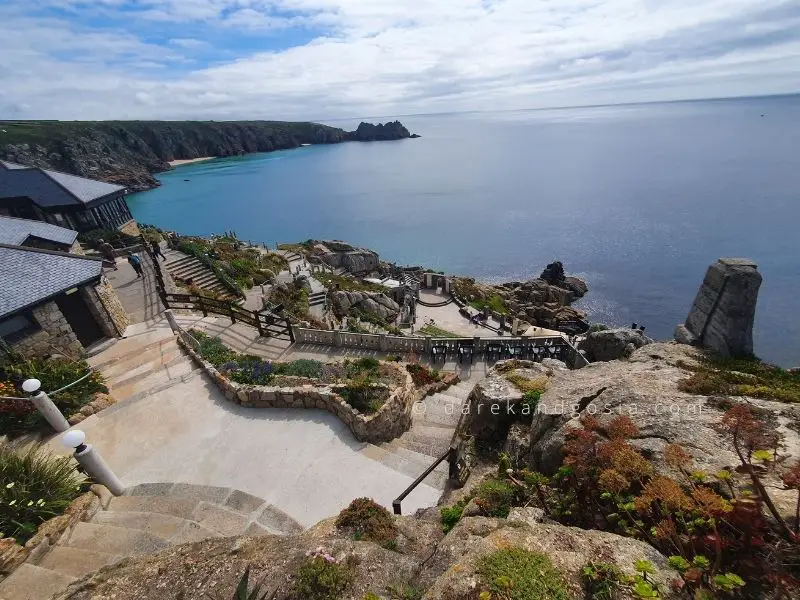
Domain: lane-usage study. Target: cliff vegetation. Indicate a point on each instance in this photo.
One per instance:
(129, 152)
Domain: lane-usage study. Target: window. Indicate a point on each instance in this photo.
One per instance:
(18, 327)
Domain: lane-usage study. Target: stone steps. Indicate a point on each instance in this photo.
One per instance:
(187, 268)
(142, 364)
(29, 582)
(435, 419)
(149, 518)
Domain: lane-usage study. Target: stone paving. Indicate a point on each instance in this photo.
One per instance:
(306, 462)
(138, 296)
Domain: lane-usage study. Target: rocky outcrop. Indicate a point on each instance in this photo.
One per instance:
(341, 255)
(613, 344)
(721, 317)
(130, 152)
(352, 303)
(645, 388)
(367, 132)
(423, 559)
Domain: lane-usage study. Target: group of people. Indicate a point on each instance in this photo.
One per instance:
(135, 261)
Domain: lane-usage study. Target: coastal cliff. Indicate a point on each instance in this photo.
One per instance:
(130, 152)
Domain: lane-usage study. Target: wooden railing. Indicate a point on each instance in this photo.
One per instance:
(267, 323)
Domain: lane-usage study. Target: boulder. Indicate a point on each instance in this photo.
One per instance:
(645, 388)
(349, 303)
(721, 317)
(424, 559)
(613, 344)
(553, 273)
(452, 570)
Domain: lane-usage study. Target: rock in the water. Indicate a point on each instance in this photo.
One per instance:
(721, 317)
(613, 344)
(368, 132)
(553, 273)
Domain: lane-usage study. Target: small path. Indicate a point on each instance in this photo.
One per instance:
(137, 295)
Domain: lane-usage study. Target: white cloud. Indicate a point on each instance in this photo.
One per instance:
(374, 57)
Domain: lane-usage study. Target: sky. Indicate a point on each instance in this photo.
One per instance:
(327, 59)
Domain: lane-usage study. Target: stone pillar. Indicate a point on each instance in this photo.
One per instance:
(337, 338)
(382, 342)
(721, 317)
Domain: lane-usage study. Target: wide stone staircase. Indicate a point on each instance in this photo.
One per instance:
(146, 361)
(434, 421)
(187, 270)
(147, 519)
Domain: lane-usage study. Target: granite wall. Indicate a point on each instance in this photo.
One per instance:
(54, 337)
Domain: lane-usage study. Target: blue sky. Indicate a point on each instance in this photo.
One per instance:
(317, 59)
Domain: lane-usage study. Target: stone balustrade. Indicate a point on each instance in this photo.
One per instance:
(423, 345)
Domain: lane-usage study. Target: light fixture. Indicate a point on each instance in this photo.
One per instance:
(31, 386)
(74, 438)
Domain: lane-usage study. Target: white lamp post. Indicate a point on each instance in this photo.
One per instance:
(45, 405)
(92, 462)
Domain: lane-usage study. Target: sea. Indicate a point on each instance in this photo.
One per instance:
(636, 199)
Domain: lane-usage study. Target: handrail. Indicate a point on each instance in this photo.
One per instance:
(66, 387)
(58, 391)
(396, 502)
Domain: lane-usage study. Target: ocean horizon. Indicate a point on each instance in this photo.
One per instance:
(637, 199)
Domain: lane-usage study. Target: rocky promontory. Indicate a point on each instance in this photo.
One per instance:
(544, 301)
(129, 152)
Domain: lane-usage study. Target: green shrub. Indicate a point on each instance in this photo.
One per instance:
(598, 327)
(518, 574)
(17, 417)
(367, 520)
(717, 376)
(301, 368)
(493, 302)
(35, 487)
(112, 236)
(422, 375)
(213, 349)
(321, 578)
(451, 515)
(495, 497)
(526, 384)
(361, 394)
(367, 363)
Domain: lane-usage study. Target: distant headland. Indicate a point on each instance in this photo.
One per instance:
(130, 152)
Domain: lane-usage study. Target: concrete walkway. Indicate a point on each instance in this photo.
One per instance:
(305, 462)
(137, 295)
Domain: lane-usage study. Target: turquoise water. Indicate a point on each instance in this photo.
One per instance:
(637, 199)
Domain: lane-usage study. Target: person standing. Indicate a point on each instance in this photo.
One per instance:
(156, 246)
(136, 263)
(107, 252)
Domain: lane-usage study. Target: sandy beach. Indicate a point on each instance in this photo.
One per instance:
(187, 161)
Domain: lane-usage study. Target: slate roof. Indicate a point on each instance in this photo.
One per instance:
(51, 188)
(29, 276)
(15, 231)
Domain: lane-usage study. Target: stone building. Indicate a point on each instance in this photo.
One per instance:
(65, 200)
(53, 300)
